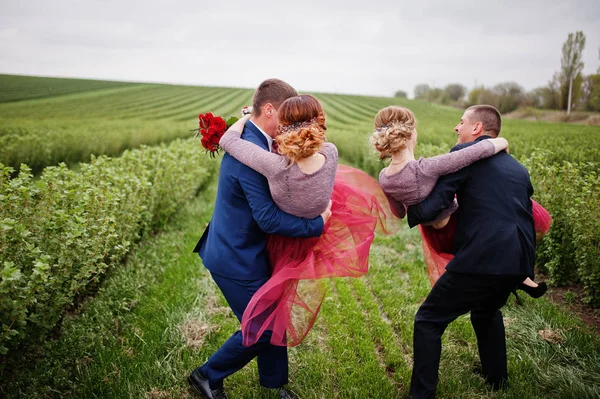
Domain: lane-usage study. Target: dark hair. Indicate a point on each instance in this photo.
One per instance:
(274, 91)
(488, 116)
(302, 127)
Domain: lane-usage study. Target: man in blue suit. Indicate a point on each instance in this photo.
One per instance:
(233, 248)
(494, 249)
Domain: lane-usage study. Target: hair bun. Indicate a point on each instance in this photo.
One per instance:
(394, 127)
(302, 127)
(301, 141)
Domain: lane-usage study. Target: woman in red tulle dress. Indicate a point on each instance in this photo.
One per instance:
(408, 181)
(303, 177)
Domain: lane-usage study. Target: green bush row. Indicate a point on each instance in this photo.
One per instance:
(41, 143)
(570, 252)
(60, 233)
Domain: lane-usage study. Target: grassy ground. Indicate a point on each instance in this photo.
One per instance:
(161, 315)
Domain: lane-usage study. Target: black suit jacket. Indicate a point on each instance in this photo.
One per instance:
(495, 233)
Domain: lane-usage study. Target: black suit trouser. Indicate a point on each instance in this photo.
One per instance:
(453, 295)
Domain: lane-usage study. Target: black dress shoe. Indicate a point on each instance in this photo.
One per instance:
(478, 370)
(285, 394)
(200, 384)
(496, 385)
(534, 292)
(218, 393)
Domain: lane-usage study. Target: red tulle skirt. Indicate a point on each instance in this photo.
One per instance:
(438, 243)
(288, 304)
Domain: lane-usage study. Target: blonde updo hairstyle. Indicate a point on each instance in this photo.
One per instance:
(394, 127)
(301, 127)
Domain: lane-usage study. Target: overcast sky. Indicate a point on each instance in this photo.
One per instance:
(342, 46)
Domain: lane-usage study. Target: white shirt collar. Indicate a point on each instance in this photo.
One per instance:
(269, 138)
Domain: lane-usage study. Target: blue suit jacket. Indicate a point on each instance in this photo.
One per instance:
(233, 244)
(495, 231)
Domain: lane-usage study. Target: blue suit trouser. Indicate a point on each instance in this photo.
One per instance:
(232, 355)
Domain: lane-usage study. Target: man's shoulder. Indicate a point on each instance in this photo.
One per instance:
(511, 162)
(230, 165)
(234, 169)
(254, 137)
(460, 146)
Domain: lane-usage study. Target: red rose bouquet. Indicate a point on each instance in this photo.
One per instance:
(210, 129)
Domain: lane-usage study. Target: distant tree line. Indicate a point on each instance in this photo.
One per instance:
(568, 89)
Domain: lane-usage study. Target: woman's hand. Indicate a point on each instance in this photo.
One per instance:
(238, 126)
(442, 223)
(500, 144)
(327, 213)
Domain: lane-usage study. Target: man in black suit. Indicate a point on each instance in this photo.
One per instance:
(494, 249)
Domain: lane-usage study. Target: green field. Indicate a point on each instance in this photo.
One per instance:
(144, 312)
(92, 119)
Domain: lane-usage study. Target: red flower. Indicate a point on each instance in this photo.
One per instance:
(204, 120)
(210, 129)
(219, 124)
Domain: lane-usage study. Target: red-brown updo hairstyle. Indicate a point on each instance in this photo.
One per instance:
(301, 127)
